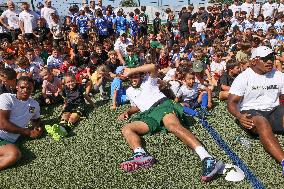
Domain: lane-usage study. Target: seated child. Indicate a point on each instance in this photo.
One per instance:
(118, 93)
(131, 60)
(226, 80)
(51, 88)
(190, 95)
(99, 80)
(8, 78)
(217, 67)
(74, 101)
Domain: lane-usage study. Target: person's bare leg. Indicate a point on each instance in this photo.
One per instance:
(173, 125)
(267, 138)
(132, 131)
(74, 117)
(9, 155)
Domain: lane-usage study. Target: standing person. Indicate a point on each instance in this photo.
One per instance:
(268, 9)
(83, 22)
(47, 11)
(157, 113)
(16, 111)
(12, 17)
(101, 26)
(143, 22)
(247, 7)
(254, 101)
(256, 9)
(185, 23)
(100, 6)
(119, 23)
(157, 22)
(133, 26)
(235, 7)
(28, 21)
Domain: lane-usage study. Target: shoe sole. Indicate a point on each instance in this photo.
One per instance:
(219, 165)
(134, 166)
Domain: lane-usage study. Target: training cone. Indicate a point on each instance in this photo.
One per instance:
(57, 132)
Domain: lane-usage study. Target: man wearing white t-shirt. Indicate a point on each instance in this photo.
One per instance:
(28, 21)
(157, 113)
(280, 7)
(10, 20)
(235, 7)
(268, 8)
(16, 111)
(254, 101)
(256, 8)
(247, 7)
(47, 11)
(199, 25)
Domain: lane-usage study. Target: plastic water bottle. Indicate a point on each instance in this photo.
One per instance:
(244, 141)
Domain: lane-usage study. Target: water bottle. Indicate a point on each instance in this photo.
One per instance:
(244, 141)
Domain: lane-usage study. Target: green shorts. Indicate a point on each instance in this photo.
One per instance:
(4, 142)
(154, 116)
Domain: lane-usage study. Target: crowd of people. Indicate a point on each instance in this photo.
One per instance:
(166, 72)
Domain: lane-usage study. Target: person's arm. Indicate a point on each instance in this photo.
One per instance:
(232, 107)
(89, 100)
(21, 25)
(147, 68)
(127, 114)
(8, 126)
(2, 21)
(209, 92)
(119, 56)
(114, 98)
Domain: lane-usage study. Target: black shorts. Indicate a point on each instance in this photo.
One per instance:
(274, 117)
(74, 108)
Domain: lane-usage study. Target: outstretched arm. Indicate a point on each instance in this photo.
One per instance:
(147, 68)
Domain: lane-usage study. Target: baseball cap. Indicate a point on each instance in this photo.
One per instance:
(261, 51)
(156, 44)
(119, 69)
(197, 66)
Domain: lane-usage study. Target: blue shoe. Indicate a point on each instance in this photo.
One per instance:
(282, 163)
(211, 166)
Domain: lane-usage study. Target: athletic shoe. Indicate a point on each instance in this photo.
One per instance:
(57, 132)
(211, 166)
(137, 161)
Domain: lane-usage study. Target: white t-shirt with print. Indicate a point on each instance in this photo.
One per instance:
(30, 20)
(200, 26)
(146, 95)
(259, 92)
(187, 94)
(21, 112)
(12, 18)
(235, 8)
(46, 12)
(268, 9)
(122, 46)
(256, 9)
(247, 7)
(216, 67)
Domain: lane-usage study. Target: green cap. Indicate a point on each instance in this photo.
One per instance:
(197, 66)
(156, 44)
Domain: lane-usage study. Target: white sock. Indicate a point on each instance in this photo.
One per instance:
(201, 152)
(139, 150)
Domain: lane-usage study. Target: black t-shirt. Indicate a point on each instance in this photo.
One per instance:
(225, 79)
(102, 58)
(112, 67)
(143, 19)
(184, 17)
(80, 60)
(42, 32)
(5, 89)
(156, 23)
(75, 96)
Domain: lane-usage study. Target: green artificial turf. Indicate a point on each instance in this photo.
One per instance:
(90, 157)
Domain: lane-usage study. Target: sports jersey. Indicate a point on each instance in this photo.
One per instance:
(101, 26)
(82, 23)
(133, 25)
(143, 19)
(121, 23)
(109, 20)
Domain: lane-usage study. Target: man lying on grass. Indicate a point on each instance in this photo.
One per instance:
(254, 101)
(157, 113)
(16, 111)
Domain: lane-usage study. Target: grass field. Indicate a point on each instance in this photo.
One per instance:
(90, 157)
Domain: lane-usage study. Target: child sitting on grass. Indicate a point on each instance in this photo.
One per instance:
(51, 88)
(226, 80)
(74, 101)
(99, 80)
(191, 93)
(118, 93)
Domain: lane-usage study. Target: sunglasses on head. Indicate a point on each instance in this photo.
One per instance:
(268, 57)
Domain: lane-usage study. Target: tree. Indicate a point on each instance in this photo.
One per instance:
(128, 3)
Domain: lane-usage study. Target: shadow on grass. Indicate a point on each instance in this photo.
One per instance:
(27, 155)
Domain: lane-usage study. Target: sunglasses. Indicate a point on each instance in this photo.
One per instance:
(270, 57)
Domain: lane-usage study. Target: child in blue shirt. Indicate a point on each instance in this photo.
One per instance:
(118, 93)
(120, 23)
(133, 26)
(82, 21)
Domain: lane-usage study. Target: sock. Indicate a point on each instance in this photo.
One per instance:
(202, 153)
(204, 101)
(189, 111)
(139, 150)
(282, 163)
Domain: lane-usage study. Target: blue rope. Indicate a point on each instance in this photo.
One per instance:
(233, 156)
